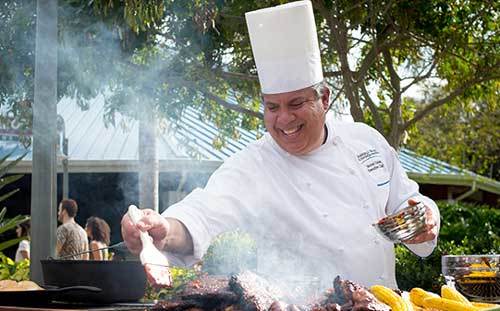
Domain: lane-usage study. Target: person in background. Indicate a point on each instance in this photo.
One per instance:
(71, 238)
(23, 250)
(98, 232)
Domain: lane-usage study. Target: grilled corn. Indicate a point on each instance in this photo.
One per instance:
(447, 304)
(417, 296)
(390, 298)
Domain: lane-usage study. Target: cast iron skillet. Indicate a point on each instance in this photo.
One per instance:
(121, 281)
(41, 297)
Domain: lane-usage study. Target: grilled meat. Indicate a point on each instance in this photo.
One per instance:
(204, 293)
(255, 292)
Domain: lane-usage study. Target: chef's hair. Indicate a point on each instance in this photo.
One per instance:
(70, 206)
(320, 89)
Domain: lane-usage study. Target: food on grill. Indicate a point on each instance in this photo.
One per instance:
(249, 292)
(205, 293)
(391, 298)
(11, 285)
(158, 275)
(417, 296)
(447, 305)
(255, 292)
(452, 294)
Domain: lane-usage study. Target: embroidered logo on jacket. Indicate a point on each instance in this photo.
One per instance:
(372, 160)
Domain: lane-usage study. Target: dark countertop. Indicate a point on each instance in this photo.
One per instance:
(79, 307)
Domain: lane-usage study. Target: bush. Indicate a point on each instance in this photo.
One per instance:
(10, 270)
(465, 229)
(231, 253)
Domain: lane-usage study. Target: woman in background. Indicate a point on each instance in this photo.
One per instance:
(23, 250)
(98, 232)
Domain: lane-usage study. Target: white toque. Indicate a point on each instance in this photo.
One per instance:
(285, 47)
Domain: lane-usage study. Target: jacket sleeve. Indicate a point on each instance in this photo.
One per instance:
(402, 189)
(227, 202)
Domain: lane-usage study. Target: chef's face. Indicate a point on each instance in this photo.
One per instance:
(296, 119)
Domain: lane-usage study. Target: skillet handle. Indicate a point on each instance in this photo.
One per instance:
(92, 289)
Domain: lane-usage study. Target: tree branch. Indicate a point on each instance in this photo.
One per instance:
(339, 42)
(422, 77)
(454, 94)
(373, 108)
(378, 44)
(230, 106)
(332, 74)
(237, 75)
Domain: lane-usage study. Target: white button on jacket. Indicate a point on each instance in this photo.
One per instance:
(261, 190)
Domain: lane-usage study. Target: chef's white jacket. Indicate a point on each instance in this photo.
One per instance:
(311, 215)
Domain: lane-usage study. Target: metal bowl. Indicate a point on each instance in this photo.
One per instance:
(403, 225)
(475, 276)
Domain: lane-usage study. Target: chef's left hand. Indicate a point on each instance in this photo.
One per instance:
(430, 223)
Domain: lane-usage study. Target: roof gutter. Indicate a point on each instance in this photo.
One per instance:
(474, 181)
(468, 193)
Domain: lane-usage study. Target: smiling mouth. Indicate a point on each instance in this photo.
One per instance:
(292, 131)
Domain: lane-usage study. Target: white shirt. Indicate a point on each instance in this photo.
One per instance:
(311, 215)
(24, 245)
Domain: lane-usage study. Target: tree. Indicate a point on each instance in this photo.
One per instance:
(179, 53)
(462, 134)
(394, 45)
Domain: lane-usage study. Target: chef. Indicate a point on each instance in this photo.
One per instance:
(310, 189)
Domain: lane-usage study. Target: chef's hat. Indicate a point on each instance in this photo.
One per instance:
(285, 47)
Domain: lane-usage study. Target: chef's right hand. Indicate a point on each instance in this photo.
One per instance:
(152, 222)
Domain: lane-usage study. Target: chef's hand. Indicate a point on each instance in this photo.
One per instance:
(431, 229)
(156, 225)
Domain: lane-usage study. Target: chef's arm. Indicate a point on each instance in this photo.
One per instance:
(179, 239)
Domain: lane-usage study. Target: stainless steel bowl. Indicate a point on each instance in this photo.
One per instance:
(475, 276)
(403, 225)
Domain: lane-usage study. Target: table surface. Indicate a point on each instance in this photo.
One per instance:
(70, 307)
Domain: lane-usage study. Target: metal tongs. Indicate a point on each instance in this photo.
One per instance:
(404, 225)
(154, 261)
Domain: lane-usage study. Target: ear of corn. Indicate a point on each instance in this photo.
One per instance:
(417, 296)
(452, 294)
(447, 304)
(417, 308)
(390, 298)
(483, 305)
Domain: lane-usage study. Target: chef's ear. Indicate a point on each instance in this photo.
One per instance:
(325, 97)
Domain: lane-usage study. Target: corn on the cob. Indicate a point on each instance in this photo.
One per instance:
(417, 296)
(390, 298)
(447, 305)
(452, 294)
(416, 308)
(483, 305)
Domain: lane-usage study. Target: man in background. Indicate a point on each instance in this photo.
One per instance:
(71, 237)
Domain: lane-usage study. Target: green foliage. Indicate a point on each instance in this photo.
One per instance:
(465, 134)
(203, 58)
(9, 224)
(465, 229)
(10, 270)
(230, 253)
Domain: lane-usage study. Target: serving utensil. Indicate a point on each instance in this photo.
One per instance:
(155, 262)
(404, 225)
